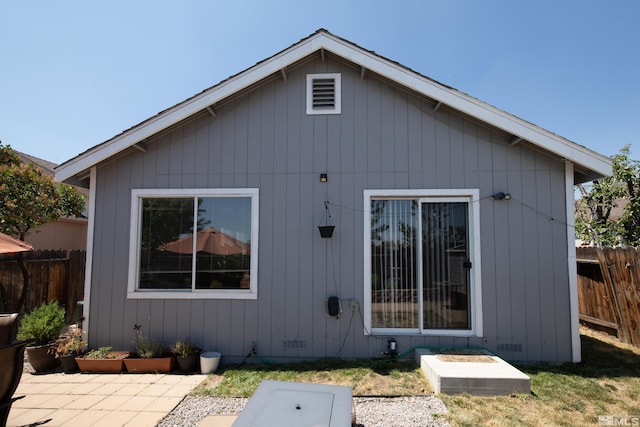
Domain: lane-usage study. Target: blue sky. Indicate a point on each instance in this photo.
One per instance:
(76, 73)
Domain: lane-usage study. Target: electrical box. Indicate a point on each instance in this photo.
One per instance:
(333, 306)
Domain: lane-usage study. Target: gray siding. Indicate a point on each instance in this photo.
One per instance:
(384, 138)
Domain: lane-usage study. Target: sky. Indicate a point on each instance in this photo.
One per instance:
(75, 73)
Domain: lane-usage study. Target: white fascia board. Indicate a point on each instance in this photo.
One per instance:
(455, 99)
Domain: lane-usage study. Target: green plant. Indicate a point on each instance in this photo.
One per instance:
(70, 345)
(185, 348)
(103, 353)
(145, 347)
(43, 325)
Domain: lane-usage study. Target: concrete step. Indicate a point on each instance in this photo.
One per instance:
(475, 371)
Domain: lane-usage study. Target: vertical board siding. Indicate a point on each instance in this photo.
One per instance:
(384, 138)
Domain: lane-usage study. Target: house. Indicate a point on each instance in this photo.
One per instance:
(68, 233)
(453, 219)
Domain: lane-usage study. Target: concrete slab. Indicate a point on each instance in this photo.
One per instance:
(291, 404)
(474, 371)
(217, 421)
(71, 400)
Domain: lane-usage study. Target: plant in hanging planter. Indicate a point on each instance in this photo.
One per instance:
(42, 326)
(187, 355)
(68, 347)
(102, 360)
(150, 354)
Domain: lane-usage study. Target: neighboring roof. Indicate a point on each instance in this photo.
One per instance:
(590, 163)
(46, 166)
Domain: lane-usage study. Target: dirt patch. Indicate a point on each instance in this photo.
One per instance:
(465, 358)
(212, 381)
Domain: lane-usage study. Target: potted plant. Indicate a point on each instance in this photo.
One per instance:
(67, 348)
(102, 360)
(187, 355)
(150, 355)
(42, 326)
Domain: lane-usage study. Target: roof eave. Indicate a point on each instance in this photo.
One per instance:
(599, 164)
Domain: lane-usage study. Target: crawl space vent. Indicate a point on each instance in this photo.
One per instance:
(509, 348)
(323, 93)
(294, 344)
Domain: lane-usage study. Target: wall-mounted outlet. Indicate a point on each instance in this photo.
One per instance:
(354, 306)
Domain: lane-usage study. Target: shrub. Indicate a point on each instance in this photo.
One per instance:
(43, 324)
(71, 345)
(145, 347)
(103, 353)
(185, 348)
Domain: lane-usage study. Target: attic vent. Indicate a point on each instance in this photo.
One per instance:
(323, 93)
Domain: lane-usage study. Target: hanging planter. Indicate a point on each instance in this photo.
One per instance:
(326, 231)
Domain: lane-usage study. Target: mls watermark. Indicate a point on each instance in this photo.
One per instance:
(613, 420)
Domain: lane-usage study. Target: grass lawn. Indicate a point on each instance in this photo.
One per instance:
(373, 377)
(606, 382)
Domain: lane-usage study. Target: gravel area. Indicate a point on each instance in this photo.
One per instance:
(409, 411)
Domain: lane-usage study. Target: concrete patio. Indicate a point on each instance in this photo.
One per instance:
(69, 400)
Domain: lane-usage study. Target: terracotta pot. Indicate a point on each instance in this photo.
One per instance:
(152, 365)
(104, 366)
(188, 363)
(41, 359)
(68, 363)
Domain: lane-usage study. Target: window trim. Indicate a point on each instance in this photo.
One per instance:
(137, 195)
(337, 109)
(470, 196)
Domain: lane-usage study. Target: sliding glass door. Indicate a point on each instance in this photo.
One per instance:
(420, 264)
(445, 266)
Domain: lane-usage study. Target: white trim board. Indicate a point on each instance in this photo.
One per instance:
(137, 195)
(466, 195)
(86, 302)
(574, 309)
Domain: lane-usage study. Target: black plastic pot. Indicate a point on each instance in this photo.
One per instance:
(69, 364)
(41, 359)
(326, 231)
(188, 363)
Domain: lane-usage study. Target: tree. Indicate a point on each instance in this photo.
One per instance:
(29, 198)
(594, 221)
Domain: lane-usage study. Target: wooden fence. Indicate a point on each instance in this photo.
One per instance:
(609, 291)
(53, 276)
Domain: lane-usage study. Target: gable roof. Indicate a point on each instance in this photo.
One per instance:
(589, 164)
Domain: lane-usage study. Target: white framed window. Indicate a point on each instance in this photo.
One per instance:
(324, 93)
(194, 243)
(422, 262)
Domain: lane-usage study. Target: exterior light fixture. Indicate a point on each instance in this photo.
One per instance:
(502, 196)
